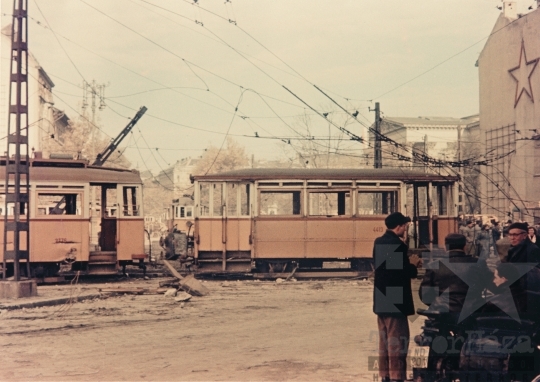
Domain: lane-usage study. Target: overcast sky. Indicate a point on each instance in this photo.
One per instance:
(192, 65)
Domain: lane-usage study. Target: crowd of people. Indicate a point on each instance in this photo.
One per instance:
(482, 238)
(458, 287)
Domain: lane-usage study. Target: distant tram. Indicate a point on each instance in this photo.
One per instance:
(82, 217)
(275, 220)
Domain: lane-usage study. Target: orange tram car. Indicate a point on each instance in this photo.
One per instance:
(82, 218)
(325, 220)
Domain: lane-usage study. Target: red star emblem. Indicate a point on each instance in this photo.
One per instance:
(522, 75)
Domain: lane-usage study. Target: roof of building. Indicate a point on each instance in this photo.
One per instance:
(398, 174)
(432, 121)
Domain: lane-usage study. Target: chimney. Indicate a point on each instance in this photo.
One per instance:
(510, 9)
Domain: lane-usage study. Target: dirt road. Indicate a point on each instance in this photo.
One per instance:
(245, 330)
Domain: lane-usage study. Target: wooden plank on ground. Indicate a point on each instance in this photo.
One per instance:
(189, 283)
(123, 290)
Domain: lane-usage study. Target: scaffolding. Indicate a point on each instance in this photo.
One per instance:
(499, 142)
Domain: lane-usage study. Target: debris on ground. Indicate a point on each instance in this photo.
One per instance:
(123, 290)
(171, 283)
(182, 296)
(171, 293)
(189, 283)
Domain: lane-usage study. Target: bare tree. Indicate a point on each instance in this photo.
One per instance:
(216, 160)
(334, 150)
(83, 140)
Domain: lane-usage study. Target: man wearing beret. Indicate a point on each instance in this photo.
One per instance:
(522, 250)
(392, 296)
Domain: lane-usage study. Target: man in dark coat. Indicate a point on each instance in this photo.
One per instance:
(522, 250)
(392, 296)
(457, 278)
(442, 289)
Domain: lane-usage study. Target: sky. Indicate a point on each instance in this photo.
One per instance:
(254, 70)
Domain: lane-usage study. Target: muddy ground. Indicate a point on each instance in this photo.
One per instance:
(243, 330)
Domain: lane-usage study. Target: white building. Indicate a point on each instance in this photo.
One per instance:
(509, 75)
(176, 177)
(437, 137)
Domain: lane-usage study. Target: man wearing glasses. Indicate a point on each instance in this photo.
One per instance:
(522, 250)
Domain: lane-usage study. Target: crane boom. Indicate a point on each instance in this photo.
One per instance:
(105, 154)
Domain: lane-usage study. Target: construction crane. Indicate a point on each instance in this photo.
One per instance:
(105, 154)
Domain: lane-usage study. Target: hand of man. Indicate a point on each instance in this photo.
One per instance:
(415, 260)
(498, 280)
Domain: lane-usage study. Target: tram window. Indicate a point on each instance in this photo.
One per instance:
(232, 199)
(377, 203)
(280, 203)
(217, 198)
(422, 201)
(130, 201)
(11, 207)
(440, 200)
(244, 199)
(233, 191)
(183, 211)
(59, 204)
(204, 199)
(329, 203)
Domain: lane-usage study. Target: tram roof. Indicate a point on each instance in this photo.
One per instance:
(400, 174)
(75, 171)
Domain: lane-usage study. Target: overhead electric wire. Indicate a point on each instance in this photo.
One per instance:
(59, 43)
(149, 40)
(426, 158)
(227, 133)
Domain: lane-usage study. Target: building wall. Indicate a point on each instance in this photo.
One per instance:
(436, 136)
(40, 100)
(509, 116)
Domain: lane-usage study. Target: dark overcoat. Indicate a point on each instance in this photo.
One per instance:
(392, 270)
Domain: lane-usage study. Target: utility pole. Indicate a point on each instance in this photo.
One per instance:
(95, 91)
(425, 151)
(460, 172)
(17, 182)
(378, 153)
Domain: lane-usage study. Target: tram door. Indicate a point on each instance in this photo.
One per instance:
(109, 210)
(422, 219)
(223, 226)
(434, 214)
(129, 222)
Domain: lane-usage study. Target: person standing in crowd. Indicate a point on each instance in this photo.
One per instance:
(496, 233)
(468, 232)
(482, 240)
(392, 296)
(444, 291)
(532, 235)
(476, 229)
(503, 245)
